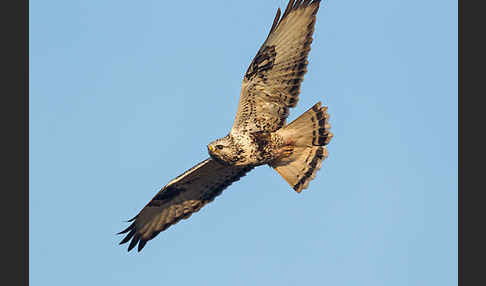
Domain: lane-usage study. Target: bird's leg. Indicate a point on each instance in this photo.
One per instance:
(286, 150)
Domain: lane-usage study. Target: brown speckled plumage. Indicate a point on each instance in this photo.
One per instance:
(259, 135)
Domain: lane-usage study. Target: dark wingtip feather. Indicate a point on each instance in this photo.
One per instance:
(298, 4)
(134, 241)
(135, 238)
(127, 229)
(132, 219)
(141, 244)
(127, 238)
(292, 5)
(275, 21)
(288, 9)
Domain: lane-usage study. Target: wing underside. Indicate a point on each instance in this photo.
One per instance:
(272, 82)
(180, 198)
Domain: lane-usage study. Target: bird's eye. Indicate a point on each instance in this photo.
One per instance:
(219, 147)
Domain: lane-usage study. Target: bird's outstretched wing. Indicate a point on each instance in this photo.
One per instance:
(272, 82)
(180, 198)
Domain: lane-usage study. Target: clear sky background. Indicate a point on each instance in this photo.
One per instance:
(125, 95)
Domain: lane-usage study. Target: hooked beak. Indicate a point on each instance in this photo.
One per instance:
(211, 148)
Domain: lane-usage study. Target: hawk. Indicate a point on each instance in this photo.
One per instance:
(259, 136)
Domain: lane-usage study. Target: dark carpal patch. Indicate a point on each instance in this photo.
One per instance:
(262, 62)
(213, 193)
(166, 194)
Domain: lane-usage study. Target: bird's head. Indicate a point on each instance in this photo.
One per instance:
(223, 150)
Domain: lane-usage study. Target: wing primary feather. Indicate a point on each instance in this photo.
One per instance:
(154, 234)
(292, 5)
(128, 237)
(278, 67)
(275, 22)
(198, 187)
(288, 9)
(134, 241)
(127, 229)
(141, 244)
(276, 73)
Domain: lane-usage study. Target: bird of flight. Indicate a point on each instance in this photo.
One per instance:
(259, 135)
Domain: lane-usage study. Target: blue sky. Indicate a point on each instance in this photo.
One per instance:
(125, 95)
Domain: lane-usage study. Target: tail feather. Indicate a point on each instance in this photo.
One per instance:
(308, 134)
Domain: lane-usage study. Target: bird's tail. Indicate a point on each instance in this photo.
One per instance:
(308, 135)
